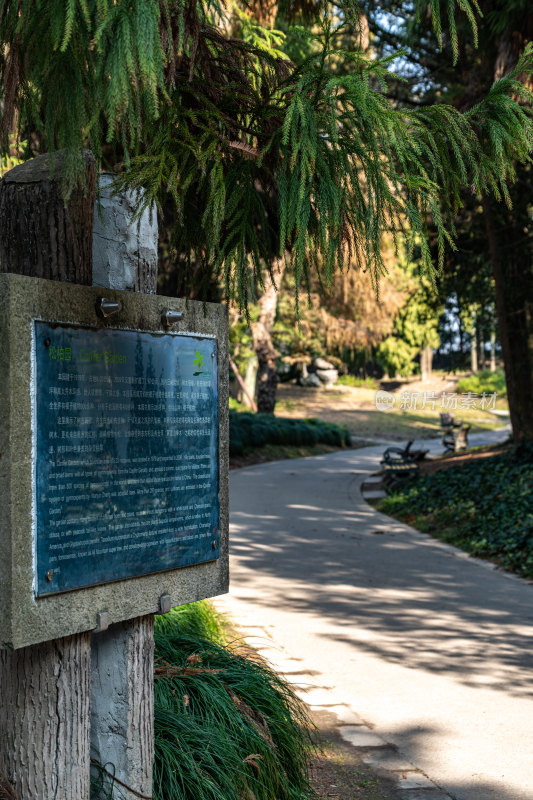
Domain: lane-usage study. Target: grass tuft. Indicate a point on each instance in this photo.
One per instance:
(226, 726)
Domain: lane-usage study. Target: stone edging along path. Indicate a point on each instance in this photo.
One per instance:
(406, 781)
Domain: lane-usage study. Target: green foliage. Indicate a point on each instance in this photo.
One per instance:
(484, 382)
(248, 431)
(200, 619)
(235, 405)
(395, 356)
(226, 727)
(417, 322)
(484, 507)
(325, 164)
(470, 9)
(258, 155)
(82, 71)
(240, 340)
(415, 325)
(355, 382)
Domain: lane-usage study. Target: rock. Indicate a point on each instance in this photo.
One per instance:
(327, 376)
(321, 363)
(310, 380)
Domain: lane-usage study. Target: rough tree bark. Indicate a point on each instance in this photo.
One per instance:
(44, 714)
(124, 251)
(267, 379)
(42, 236)
(45, 689)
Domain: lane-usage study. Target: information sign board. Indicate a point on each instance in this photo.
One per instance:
(126, 443)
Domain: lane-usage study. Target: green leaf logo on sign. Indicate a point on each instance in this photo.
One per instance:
(198, 359)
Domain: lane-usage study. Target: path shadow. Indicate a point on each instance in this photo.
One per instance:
(397, 595)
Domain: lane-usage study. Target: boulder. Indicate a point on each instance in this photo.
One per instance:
(310, 380)
(327, 376)
(321, 363)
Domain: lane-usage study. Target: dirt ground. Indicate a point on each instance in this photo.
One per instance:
(458, 459)
(356, 409)
(337, 773)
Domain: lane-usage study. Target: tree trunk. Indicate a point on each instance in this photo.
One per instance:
(514, 305)
(513, 276)
(426, 362)
(473, 347)
(45, 689)
(267, 379)
(493, 350)
(250, 379)
(481, 348)
(124, 251)
(42, 236)
(44, 719)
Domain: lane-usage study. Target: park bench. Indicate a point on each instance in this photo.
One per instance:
(400, 463)
(456, 438)
(448, 421)
(393, 453)
(398, 471)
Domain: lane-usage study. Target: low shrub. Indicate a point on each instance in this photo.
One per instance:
(484, 382)
(248, 431)
(226, 726)
(485, 507)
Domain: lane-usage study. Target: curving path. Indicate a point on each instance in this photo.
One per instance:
(432, 649)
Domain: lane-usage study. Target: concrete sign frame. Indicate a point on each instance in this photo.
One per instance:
(27, 620)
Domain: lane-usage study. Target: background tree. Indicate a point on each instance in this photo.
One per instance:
(415, 328)
(256, 154)
(495, 229)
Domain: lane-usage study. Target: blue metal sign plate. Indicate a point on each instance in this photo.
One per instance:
(126, 454)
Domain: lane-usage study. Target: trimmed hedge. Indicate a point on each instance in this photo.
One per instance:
(248, 431)
(485, 507)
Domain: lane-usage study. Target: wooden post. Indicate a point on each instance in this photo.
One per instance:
(45, 689)
(122, 704)
(122, 707)
(41, 235)
(44, 719)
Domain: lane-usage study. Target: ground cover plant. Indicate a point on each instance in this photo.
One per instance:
(226, 727)
(485, 507)
(248, 431)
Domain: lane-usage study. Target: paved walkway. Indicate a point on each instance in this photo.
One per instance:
(408, 640)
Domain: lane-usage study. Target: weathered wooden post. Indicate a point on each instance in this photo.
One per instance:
(113, 507)
(44, 688)
(122, 656)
